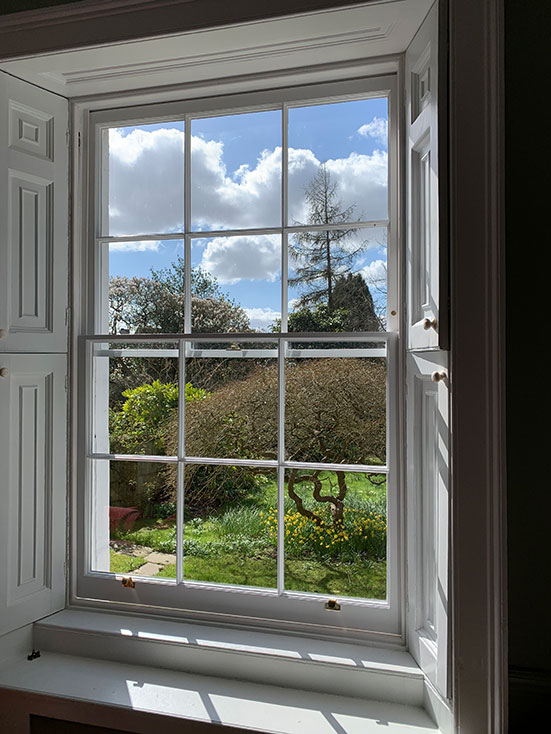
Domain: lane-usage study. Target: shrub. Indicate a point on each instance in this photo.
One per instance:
(362, 532)
(335, 412)
(139, 425)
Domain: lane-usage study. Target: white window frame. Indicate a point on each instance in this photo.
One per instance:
(367, 619)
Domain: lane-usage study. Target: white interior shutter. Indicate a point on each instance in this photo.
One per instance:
(33, 218)
(33, 487)
(423, 274)
(428, 505)
(428, 378)
(33, 351)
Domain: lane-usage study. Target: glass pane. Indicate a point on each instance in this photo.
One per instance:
(231, 400)
(135, 398)
(338, 162)
(335, 533)
(134, 518)
(335, 406)
(146, 286)
(230, 525)
(236, 171)
(245, 273)
(145, 182)
(338, 280)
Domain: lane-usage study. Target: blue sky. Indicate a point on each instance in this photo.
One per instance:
(236, 183)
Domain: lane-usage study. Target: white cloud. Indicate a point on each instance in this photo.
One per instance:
(375, 272)
(231, 259)
(261, 318)
(252, 198)
(146, 190)
(376, 129)
(146, 175)
(361, 182)
(139, 246)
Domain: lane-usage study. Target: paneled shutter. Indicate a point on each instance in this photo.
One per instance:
(428, 378)
(33, 351)
(33, 218)
(32, 487)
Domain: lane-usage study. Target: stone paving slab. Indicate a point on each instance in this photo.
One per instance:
(162, 558)
(140, 551)
(149, 569)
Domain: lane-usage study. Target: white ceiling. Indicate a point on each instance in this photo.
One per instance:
(337, 35)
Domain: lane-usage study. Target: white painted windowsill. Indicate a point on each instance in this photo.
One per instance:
(258, 680)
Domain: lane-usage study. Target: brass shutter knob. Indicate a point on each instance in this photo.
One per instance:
(4, 372)
(438, 376)
(429, 324)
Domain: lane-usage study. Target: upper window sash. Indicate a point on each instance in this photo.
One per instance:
(282, 101)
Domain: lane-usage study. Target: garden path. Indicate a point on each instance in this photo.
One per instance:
(154, 562)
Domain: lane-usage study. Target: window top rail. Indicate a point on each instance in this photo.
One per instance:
(254, 463)
(246, 232)
(241, 353)
(294, 336)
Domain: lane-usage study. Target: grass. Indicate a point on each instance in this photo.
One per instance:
(121, 563)
(236, 546)
(365, 579)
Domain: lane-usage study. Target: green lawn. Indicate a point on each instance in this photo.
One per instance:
(121, 563)
(365, 579)
(236, 544)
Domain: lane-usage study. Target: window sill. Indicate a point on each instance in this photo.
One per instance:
(208, 699)
(166, 667)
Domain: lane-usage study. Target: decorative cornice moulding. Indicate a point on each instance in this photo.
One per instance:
(242, 55)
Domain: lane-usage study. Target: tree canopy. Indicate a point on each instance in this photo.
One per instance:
(156, 304)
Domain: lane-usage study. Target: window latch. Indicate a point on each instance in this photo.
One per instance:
(333, 605)
(128, 583)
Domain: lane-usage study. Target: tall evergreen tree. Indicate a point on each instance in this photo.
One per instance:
(323, 259)
(351, 293)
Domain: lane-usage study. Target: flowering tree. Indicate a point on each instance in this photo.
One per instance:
(156, 304)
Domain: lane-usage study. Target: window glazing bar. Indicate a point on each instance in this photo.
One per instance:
(333, 353)
(146, 458)
(187, 224)
(181, 468)
(359, 468)
(232, 353)
(281, 471)
(137, 353)
(254, 463)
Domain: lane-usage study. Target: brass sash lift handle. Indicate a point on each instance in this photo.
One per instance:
(429, 324)
(4, 372)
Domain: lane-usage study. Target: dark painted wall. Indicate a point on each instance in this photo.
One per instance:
(527, 187)
(14, 6)
(527, 231)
